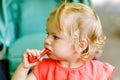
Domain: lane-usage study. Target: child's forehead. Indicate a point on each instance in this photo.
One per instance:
(54, 24)
(52, 28)
(63, 20)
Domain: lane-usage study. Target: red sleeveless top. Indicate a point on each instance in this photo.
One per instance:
(50, 69)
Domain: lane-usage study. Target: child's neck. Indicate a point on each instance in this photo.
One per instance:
(75, 64)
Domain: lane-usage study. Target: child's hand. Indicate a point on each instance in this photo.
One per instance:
(30, 52)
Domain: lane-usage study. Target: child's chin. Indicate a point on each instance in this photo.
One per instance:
(51, 57)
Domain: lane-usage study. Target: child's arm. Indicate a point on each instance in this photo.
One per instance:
(21, 72)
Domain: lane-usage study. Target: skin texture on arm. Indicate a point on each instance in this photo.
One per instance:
(21, 73)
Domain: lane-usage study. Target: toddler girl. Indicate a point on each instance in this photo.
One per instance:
(74, 38)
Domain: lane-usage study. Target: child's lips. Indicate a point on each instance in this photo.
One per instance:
(49, 53)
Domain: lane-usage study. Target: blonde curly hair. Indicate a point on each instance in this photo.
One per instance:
(79, 21)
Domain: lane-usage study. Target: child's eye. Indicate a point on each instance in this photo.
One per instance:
(56, 37)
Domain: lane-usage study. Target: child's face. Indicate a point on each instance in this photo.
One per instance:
(59, 44)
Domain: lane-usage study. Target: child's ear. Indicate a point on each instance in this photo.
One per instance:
(83, 44)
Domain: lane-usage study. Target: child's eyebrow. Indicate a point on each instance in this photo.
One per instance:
(53, 33)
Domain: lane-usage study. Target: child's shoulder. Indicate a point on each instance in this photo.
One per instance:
(102, 68)
(98, 64)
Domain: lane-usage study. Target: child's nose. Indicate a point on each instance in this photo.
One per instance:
(48, 40)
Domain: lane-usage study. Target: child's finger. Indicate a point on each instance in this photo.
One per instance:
(37, 53)
(28, 52)
(40, 59)
(33, 52)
